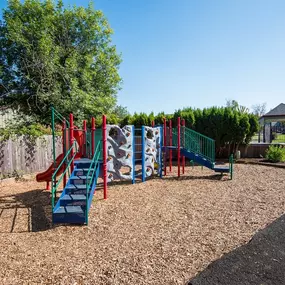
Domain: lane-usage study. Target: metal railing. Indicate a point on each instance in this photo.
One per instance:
(89, 179)
(195, 142)
(66, 160)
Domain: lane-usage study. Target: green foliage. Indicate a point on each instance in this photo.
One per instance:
(141, 119)
(55, 55)
(275, 154)
(186, 114)
(120, 112)
(233, 104)
(32, 130)
(228, 126)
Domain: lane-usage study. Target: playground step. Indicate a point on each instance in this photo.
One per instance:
(69, 214)
(73, 199)
(76, 187)
(83, 169)
(82, 160)
(80, 177)
(197, 158)
(69, 210)
(221, 169)
(82, 163)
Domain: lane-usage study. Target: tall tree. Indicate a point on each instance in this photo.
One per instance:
(50, 54)
(236, 107)
(259, 109)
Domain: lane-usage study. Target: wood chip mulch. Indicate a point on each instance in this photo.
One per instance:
(160, 232)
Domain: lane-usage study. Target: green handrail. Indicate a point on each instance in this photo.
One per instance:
(196, 143)
(56, 115)
(89, 180)
(231, 162)
(60, 117)
(56, 184)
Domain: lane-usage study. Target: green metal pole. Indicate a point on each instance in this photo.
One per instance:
(231, 166)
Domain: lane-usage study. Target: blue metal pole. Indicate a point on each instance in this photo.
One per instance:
(143, 154)
(134, 156)
(160, 151)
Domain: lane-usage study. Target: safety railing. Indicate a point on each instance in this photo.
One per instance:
(56, 116)
(92, 168)
(67, 160)
(199, 144)
(195, 142)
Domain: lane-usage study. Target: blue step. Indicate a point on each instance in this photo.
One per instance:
(73, 199)
(71, 206)
(78, 188)
(69, 214)
(221, 169)
(80, 177)
(197, 158)
(82, 160)
(83, 170)
(82, 163)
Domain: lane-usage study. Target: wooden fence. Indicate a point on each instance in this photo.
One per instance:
(21, 155)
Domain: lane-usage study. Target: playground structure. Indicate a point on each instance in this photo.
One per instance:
(113, 153)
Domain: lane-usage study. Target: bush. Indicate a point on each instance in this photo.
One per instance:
(275, 154)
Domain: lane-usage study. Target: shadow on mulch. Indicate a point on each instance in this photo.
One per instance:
(196, 177)
(260, 161)
(260, 261)
(215, 177)
(36, 203)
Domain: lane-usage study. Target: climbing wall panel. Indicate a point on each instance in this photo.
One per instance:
(152, 137)
(119, 152)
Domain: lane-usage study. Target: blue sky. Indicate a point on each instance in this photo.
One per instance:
(197, 53)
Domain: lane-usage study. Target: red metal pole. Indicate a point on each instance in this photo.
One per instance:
(64, 150)
(48, 185)
(71, 137)
(152, 124)
(183, 157)
(170, 144)
(93, 129)
(84, 148)
(178, 145)
(104, 129)
(165, 143)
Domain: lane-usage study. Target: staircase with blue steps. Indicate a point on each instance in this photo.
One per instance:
(199, 149)
(74, 202)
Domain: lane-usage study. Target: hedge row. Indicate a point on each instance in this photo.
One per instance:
(227, 126)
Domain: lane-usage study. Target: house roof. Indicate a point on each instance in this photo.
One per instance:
(277, 111)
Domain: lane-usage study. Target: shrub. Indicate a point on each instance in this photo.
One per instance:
(275, 154)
